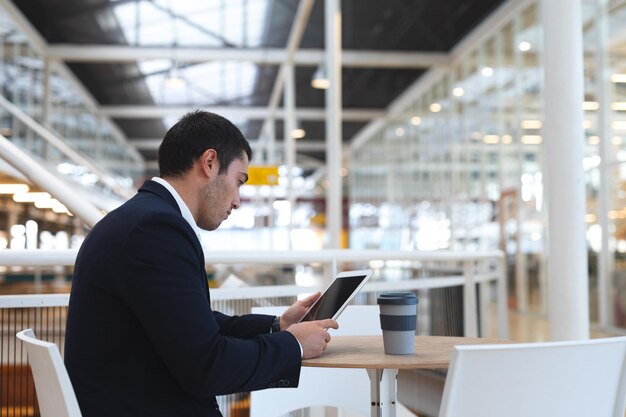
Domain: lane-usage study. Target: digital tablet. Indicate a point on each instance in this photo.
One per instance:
(338, 294)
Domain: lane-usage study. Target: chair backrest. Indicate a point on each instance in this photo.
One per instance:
(54, 390)
(324, 386)
(573, 379)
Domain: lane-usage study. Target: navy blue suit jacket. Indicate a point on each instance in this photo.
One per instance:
(142, 339)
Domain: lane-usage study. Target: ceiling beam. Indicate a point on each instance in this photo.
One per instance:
(259, 113)
(272, 56)
(295, 35)
(494, 22)
(40, 45)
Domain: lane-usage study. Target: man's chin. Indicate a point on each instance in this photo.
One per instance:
(210, 227)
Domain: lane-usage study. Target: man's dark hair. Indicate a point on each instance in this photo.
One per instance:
(193, 134)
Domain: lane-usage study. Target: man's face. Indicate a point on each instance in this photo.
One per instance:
(222, 194)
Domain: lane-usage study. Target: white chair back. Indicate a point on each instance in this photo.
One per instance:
(342, 388)
(573, 379)
(52, 383)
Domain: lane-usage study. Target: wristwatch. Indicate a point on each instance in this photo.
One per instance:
(275, 325)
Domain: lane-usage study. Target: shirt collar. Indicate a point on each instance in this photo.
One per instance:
(184, 210)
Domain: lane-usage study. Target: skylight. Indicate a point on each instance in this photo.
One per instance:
(189, 23)
(209, 23)
(212, 83)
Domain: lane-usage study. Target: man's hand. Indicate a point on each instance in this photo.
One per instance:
(294, 313)
(313, 336)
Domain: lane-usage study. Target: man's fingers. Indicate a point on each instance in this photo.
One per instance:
(329, 324)
(311, 299)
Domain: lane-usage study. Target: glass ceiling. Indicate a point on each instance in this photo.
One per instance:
(209, 23)
(190, 23)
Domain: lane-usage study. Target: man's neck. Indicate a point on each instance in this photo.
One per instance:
(184, 188)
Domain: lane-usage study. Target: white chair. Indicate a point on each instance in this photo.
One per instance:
(573, 379)
(54, 390)
(342, 388)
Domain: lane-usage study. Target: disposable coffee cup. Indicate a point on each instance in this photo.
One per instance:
(398, 320)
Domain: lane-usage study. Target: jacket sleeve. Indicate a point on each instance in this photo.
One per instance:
(247, 326)
(166, 290)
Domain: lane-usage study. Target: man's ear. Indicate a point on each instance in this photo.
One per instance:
(209, 164)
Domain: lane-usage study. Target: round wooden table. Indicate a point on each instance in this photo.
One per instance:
(367, 352)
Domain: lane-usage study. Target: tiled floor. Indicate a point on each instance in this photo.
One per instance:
(533, 327)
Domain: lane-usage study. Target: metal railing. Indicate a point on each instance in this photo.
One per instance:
(476, 278)
(476, 267)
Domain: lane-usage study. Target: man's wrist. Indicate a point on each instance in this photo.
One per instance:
(275, 328)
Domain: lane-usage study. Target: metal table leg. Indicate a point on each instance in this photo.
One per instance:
(383, 392)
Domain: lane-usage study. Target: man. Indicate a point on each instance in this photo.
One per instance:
(142, 339)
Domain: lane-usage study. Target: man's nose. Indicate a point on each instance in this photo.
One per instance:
(236, 202)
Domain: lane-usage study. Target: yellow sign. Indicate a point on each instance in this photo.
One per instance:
(262, 175)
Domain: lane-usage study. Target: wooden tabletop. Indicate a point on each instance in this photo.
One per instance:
(367, 352)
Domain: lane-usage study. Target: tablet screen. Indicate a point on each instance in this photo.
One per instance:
(337, 294)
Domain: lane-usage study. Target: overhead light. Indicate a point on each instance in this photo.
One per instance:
(320, 79)
(53, 204)
(31, 197)
(593, 140)
(61, 210)
(591, 105)
(13, 188)
(506, 139)
(531, 139)
(531, 124)
(416, 120)
(487, 71)
(524, 46)
(618, 78)
(435, 107)
(298, 132)
(491, 139)
(458, 92)
(618, 125)
(174, 81)
(399, 131)
(618, 106)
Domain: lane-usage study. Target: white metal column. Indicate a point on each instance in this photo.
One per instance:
(333, 122)
(289, 141)
(47, 95)
(568, 294)
(271, 160)
(521, 268)
(605, 261)
(270, 155)
(295, 35)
